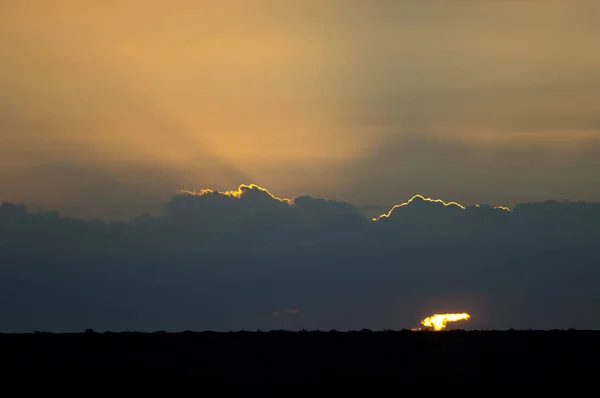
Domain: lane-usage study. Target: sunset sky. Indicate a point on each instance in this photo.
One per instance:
(109, 107)
(206, 164)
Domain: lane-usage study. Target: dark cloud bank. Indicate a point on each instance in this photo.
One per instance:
(229, 261)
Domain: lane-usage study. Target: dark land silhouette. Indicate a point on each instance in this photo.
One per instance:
(467, 361)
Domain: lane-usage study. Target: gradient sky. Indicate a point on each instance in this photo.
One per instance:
(108, 107)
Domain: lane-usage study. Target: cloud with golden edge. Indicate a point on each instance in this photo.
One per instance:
(418, 196)
(386, 215)
(440, 321)
(237, 194)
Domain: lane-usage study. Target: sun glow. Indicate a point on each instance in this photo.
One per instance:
(439, 322)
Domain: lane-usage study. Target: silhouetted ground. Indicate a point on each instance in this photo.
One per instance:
(302, 361)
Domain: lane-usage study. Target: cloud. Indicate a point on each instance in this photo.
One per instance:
(246, 201)
(219, 260)
(416, 200)
(243, 190)
(250, 201)
(286, 312)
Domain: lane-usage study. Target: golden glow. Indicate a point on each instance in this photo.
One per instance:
(238, 193)
(440, 321)
(502, 208)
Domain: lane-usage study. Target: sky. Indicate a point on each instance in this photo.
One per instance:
(129, 128)
(109, 107)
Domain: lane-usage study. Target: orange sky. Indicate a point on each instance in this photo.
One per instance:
(108, 107)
